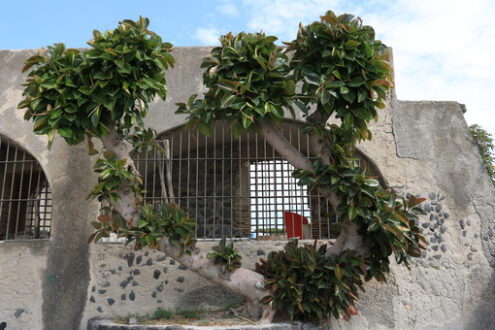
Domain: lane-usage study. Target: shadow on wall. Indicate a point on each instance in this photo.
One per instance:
(482, 315)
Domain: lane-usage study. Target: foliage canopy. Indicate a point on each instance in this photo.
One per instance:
(74, 93)
(334, 67)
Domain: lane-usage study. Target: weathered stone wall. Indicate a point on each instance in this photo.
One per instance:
(419, 147)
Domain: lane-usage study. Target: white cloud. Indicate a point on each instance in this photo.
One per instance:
(281, 17)
(228, 8)
(443, 49)
(207, 36)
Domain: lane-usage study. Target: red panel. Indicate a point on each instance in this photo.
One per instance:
(293, 225)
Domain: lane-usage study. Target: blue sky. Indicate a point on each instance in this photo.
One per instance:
(443, 49)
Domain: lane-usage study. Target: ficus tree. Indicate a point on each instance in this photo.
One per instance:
(334, 68)
(484, 142)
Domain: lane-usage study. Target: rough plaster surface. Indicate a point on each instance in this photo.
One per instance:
(21, 264)
(419, 147)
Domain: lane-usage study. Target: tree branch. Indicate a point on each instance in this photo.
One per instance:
(292, 155)
(126, 205)
(242, 281)
(283, 147)
(348, 239)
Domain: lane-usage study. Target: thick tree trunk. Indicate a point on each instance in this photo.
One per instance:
(126, 205)
(244, 282)
(348, 239)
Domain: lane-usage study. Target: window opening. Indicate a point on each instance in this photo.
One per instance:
(234, 188)
(25, 196)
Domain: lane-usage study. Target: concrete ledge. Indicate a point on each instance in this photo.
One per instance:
(99, 324)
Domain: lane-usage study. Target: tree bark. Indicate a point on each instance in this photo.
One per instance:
(348, 239)
(243, 281)
(126, 205)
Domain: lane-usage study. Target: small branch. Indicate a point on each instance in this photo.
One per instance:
(161, 170)
(169, 171)
(292, 155)
(283, 147)
(318, 147)
(233, 311)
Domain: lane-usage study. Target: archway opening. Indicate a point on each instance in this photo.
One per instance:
(25, 195)
(235, 188)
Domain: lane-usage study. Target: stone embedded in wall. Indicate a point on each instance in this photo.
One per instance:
(18, 312)
(130, 259)
(125, 278)
(433, 226)
(124, 283)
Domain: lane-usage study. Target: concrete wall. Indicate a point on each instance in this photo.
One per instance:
(419, 147)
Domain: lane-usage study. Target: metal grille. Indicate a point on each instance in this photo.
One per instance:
(25, 196)
(237, 188)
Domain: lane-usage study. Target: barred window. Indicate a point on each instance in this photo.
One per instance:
(25, 196)
(235, 188)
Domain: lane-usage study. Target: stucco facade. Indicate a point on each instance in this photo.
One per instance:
(418, 147)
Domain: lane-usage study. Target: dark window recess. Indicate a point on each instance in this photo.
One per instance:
(25, 196)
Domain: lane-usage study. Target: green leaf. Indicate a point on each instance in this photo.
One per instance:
(352, 212)
(206, 129)
(276, 111)
(334, 84)
(227, 100)
(351, 44)
(324, 96)
(339, 273)
(246, 122)
(301, 106)
(65, 132)
(312, 78)
(290, 87)
(367, 50)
